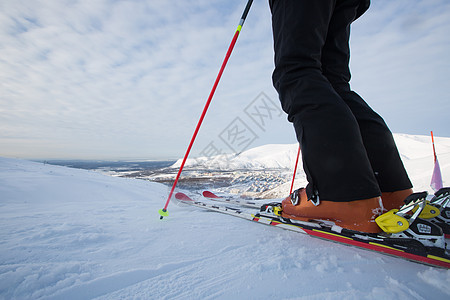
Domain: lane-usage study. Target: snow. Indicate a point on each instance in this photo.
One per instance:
(76, 234)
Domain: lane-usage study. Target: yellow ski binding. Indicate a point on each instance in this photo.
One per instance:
(391, 223)
(428, 212)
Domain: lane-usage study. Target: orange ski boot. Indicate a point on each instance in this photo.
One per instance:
(395, 200)
(354, 215)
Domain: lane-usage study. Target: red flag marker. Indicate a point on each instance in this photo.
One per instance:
(436, 179)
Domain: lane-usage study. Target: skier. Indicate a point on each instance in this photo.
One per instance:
(352, 164)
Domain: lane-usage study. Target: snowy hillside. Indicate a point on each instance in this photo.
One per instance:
(283, 156)
(263, 157)
(277, 162)
(74, 234)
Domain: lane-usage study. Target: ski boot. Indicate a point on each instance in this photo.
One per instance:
(406, 223)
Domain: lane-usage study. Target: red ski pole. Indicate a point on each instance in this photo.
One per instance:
(295, 169)
(163, 212)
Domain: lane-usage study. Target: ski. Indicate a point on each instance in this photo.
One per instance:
(440, 202)
(405, 248)
(231, 200)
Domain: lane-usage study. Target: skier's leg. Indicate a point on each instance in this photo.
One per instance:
(334, 156)
(378, 140)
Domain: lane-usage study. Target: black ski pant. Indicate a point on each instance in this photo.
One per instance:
(348, 151)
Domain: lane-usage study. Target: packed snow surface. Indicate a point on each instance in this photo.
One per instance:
(75, 234)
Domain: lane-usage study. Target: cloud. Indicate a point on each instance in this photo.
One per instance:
(110, 79)
(401, 64)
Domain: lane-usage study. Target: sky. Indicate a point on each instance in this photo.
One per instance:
(106, 79)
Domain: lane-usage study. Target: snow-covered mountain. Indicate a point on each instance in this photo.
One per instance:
(279, 160)
(281, 156)
(75, 234)
(264, 157)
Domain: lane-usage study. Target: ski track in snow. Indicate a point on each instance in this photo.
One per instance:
(74, 234)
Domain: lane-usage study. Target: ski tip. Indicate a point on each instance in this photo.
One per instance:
(209, 194)
(183, 197)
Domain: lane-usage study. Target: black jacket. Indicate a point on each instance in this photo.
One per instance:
(362, 8)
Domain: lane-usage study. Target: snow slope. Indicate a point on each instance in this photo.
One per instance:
(75, 234)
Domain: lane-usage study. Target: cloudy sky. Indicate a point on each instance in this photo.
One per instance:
(112, 79)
